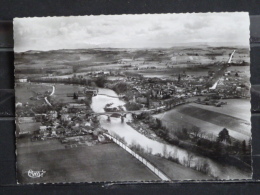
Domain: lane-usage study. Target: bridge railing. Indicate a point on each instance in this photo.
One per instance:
(148, 164)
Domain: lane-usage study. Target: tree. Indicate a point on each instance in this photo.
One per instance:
(224, 136)
(243, 148)
(190, 157)
(185, 131)
(195, 131)
(165, 152)
(121, 87)
(199, 142)
(87, 102)
(75, 68)
(95, 121)
(217, 149)
(100, 82)
(75, 96)
(179, 78)
(148, 101)
(159, 123)
(133, 106)
(237, 146)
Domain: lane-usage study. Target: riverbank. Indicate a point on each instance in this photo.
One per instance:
(176, 171)
(144, 130)
(154, 145)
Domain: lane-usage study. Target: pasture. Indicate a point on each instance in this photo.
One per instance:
(105, 162)
(211, 120)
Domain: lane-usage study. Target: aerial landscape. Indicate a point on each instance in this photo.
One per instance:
(133, 114)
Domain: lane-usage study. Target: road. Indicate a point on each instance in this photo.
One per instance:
(45, 98)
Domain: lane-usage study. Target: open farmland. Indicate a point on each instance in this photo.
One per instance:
(28, 127)
(235, 107)
(207, 119)
(106, 162)
(25, 91)
(61, 92)
(84, 60)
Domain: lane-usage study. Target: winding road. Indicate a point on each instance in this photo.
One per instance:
(45, 98)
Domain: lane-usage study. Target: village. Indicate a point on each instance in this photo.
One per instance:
(74, 124)
(168, 92)
(153, 101)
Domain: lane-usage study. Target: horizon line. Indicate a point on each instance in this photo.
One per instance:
(209, 44)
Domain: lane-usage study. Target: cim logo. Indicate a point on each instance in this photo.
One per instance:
(36, 174)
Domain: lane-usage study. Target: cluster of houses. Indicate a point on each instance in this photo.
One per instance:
(71, 123)
(154, 92)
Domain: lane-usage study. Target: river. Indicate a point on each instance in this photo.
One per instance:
(131, 136)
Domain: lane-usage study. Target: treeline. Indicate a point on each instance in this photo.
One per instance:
(132, 106)
(199, 165)
(40, 70)
(120, 88)
(97, 82)
(243, 63)
(224, 148)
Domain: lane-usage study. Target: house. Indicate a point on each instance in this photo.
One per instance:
(18, 104)
(101, 138)
(56, 123)
(52, 114)
(64, 109)
(53, 133)
(141, 100)
(75, 127)
(87, 124)
(66, 117)
(43, 128)
(87, 129)
(22, 80)
(75, 105)
(124, 61)
(26, 119)
(156, 104)
(97, 131)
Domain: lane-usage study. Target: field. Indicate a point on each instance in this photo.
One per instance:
(195, 71)
(210, 119)
(24, 91)
(110, 59)
(61, 92)
(29, 127)
(107, 162)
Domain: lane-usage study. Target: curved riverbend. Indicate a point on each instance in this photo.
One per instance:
(131, 136)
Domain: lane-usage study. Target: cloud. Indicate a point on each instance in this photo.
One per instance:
(132, 31)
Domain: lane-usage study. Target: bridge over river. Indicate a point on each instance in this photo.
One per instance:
(122, 114)
(128, 112)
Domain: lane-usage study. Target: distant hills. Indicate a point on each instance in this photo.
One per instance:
(176, 45)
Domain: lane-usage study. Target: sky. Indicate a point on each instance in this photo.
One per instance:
(130, 31)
